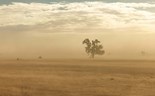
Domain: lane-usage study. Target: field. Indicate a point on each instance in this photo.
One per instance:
(77, 78)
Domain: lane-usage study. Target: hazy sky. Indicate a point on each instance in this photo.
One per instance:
(48, 1)
(56, 28)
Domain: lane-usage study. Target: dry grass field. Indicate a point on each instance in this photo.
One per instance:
(77, 78)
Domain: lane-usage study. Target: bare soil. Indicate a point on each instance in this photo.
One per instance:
(77, 78)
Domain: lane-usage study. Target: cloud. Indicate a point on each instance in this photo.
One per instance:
(72, 17)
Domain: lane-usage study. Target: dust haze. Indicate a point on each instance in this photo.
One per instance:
(56, 29)
(118, 45)
(77, 48)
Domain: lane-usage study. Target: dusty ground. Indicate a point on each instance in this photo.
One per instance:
(77, 78)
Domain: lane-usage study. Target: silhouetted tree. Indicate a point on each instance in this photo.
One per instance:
(17, 59)
(143, 53)
(40, 57)
(93, 47)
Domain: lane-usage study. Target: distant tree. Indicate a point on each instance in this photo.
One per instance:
(143, 53)
(40, 57)
(17, 59)
(93, 47)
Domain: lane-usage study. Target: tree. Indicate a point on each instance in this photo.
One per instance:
(40, 57)
(93, 48)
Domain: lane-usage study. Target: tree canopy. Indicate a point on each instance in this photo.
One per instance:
(93, 47)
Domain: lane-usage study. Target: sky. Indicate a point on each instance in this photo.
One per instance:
(49, 1)
(56, 28)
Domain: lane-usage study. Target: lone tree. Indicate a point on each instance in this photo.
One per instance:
(93, 47)
(40, 57)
